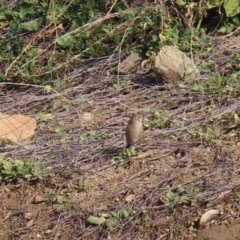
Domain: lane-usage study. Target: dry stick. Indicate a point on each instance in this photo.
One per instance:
(112, 7)
(42, 87)
(228, 35)
(92, 24)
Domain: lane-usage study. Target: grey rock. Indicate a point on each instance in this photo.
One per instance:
(130, 65)
(172, 65)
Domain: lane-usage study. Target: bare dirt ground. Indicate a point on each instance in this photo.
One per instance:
(199, 152)
(220, 232)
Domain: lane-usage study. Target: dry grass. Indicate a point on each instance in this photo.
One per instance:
(85, 150)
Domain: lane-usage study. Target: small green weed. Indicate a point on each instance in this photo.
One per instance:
(209, 133)
(92, 134)
(180, 196)
(189, 40)
(64, 207)
(21, 169)
(96, 134)
(216, 130)
(43, 116)
(221, 85)
(83, 185)
(64, 195)
(110, 219)
(76, 186)
(160, 120)
(128, 152)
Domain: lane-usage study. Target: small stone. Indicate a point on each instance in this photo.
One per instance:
(38, 199)
(28, 215)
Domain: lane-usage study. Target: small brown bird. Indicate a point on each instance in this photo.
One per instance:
(134, 130)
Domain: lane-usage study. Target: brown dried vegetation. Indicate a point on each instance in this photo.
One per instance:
(199, 152)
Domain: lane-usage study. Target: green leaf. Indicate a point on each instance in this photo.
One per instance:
(59, 129)
(36, 171)
(214, 3)
(31, 25)
(7, 165)
(2, 17)
(60, 199)
(96, 220)
(47, 171)
(28, 175)
(19, 162)
(48, 88)
(111, 222)
(198, 87)
(181, 3)
(222, 30)
(155, 38)
(115, 214)
(14, 25)
(25, 9)
(133, 151)
(232, 7)
(124, 213)
(2, 159)
(42, 116)
(169, 194)
(65, 41)
(9, 15)
(180, 188)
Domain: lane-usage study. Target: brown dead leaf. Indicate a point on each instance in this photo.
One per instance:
(58, 103)
(29, 223)
(28, 215)
(88, 117)
(130, 198)
(16, 128)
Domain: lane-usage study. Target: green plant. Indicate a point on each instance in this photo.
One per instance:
(110, 219)
(209, 133)
(21, 169)
(96, 134)
(83, 185)
(180, 196)
(194, 40)
(64, 195)
(90, 28)
(220, 85)
(78, 185)
(187, 39)
(64, 207)
(43, 116)
(128, 152)
(214, 129)
(231, 7)
(159, 120)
